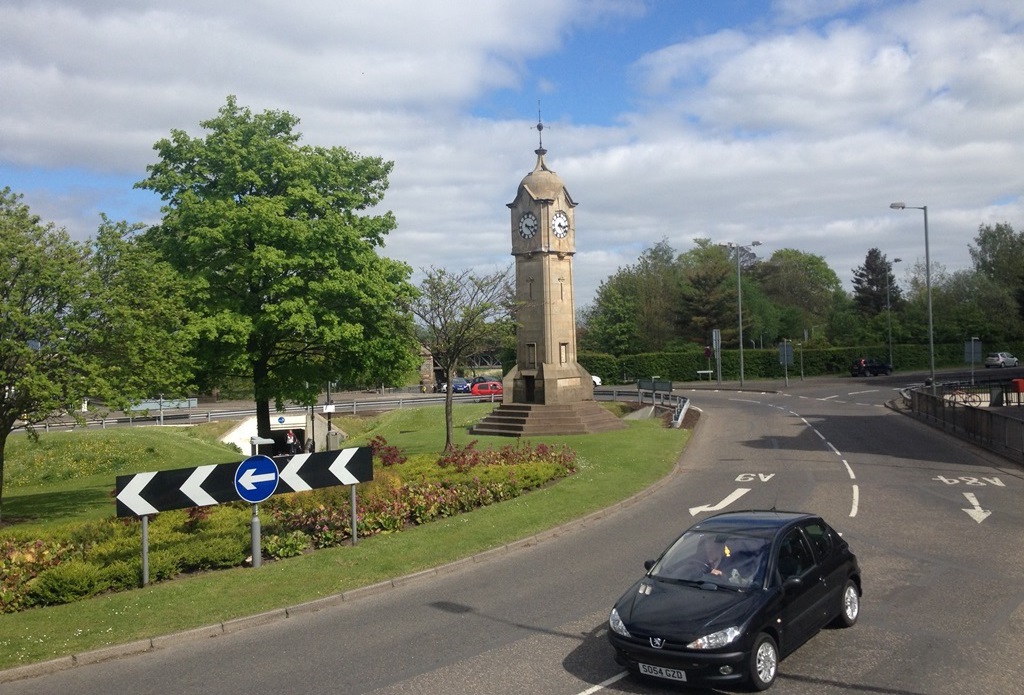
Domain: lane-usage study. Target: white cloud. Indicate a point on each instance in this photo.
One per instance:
(797, 129)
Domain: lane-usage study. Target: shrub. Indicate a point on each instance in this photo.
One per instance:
(67, 582)
(123, 574)
(325, 526)
(202, 552)
(163, 564)
(289, 545)
(20, 563)
(195, 517)
(387, 454)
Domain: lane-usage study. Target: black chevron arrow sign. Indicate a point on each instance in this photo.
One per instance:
(143, 494)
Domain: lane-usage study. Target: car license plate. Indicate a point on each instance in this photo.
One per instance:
(672, 674)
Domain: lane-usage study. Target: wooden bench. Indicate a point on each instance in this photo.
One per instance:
(702, 372)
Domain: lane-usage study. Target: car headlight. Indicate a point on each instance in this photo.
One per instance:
(715, 640)
(616, 624)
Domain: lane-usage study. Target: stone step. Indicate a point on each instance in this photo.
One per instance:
(529, 419)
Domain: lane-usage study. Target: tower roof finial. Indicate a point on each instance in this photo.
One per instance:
(540, 132)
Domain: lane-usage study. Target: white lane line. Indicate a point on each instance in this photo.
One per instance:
(857, 393)
(604, 684)
(849, 469)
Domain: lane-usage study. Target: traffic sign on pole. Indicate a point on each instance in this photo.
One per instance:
(144, 494)
(256, 478)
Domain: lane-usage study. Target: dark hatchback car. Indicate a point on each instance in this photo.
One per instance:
(732, 596)
(459, 385)
(869, 366)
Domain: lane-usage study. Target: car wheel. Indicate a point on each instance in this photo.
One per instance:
(849, 611)
(764, 662)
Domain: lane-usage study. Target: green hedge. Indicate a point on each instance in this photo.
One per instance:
(764, 363)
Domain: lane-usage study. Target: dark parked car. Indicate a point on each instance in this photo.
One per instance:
(732, 596)
(481, 379)
(869, 366)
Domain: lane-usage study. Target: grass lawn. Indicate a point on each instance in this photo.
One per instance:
(612, 466)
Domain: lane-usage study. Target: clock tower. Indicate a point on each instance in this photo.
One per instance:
(543, 244)
(547, 392)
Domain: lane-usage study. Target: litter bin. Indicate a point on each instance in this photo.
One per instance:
(995, 396)
(1018, 385)
(334, 440)
(261, 446)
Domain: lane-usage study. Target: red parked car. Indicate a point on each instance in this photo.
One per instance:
(487, 390)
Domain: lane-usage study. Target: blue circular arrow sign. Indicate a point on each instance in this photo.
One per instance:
(256, 478)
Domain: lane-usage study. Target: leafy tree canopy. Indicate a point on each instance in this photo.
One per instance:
(874, 287)
(997, 252)
(462, 314)
(281, 262)
(104, 320)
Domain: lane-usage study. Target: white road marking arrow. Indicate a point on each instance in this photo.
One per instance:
(975, 512)
(340, 467)
(130, 496)
(736, 494)
(249, 478)
(290, 473)
(193, 487)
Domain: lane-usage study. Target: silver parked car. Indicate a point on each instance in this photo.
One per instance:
(1000, 359)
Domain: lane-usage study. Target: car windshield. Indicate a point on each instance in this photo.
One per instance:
(730, 560)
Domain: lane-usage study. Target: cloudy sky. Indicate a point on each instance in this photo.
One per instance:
(795, 123)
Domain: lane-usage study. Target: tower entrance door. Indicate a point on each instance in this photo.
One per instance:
(530, 386)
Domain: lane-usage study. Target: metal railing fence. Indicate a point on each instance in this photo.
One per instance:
(989, 415)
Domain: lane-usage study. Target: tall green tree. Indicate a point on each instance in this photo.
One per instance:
(657, 286)
(874, 285)
(42, 275)
(707, 292)
(997, 252)
(609, 325)
(104, 320)
(635, 310)
(804, 289)
(139, 318)
(280, 249)
(461, 314)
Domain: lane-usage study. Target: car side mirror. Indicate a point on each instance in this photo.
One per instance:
(648, 564)
(792, 585)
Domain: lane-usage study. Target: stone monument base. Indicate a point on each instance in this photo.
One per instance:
(534, 420)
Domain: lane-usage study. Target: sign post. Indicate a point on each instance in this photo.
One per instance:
(253, 480)
(256, 479)
(786, 357)
(972, 354)
(716, 346)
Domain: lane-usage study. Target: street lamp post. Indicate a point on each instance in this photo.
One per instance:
(739, 295)
(888, 306)
(928, 286)
(974, 354)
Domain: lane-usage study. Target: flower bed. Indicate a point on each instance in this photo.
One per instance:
(90, 558)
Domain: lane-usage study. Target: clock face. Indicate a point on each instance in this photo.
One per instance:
(528, 225)
(560, 224)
